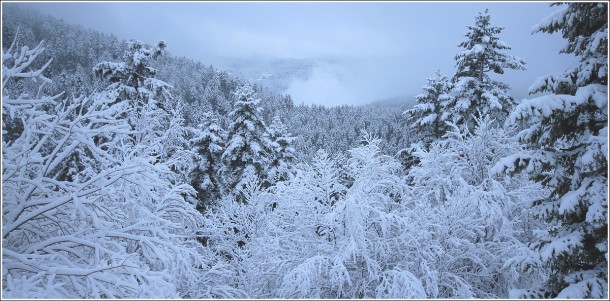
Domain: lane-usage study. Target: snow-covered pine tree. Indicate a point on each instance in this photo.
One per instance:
(475, 93)
(213, 94)
(428, 115)
(154, 114)
(247, 149)
(133, 81)
(133, 78)
(280, 168)
(567, 135)
(208, 144)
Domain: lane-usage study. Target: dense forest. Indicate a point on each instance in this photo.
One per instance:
(128, 172)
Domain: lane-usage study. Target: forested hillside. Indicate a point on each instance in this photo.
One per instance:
(131, 173)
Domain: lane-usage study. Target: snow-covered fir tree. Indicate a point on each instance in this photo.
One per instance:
(476, 94)
(154, 114)
(133, 78)
(567, 135)
(281, 167)
(213, 94)
(208, 144)
(428, 116)
(248, 149)
(133, 83)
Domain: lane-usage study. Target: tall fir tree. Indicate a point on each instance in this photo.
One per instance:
(280, 168)
(154, 114)
(213, 94)
(476, 94)
(567, 135)
(157, 128)
(247, 149)
(428, 115)
(134, 78)
(134, 85)
(208, 145)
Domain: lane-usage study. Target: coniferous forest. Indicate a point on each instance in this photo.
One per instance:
(128, 172)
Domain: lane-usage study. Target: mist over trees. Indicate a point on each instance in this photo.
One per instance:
(131, 173)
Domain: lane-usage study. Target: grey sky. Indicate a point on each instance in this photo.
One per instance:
(366, 51)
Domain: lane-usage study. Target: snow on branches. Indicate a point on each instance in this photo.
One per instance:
(86, 216)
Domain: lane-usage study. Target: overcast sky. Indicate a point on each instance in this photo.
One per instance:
(366, 51)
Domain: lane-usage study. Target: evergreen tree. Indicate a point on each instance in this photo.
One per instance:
(157, 128)
(247, 148)
(133, 81)
(567, 135)
(280, 168)
(214, 95)
(209, 146)
(156, 123)
(476, 94)
(428, 115)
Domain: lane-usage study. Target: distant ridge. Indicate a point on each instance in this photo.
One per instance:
(401, 100)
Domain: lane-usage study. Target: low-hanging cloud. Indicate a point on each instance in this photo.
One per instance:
(324, 86)
(352, 82)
